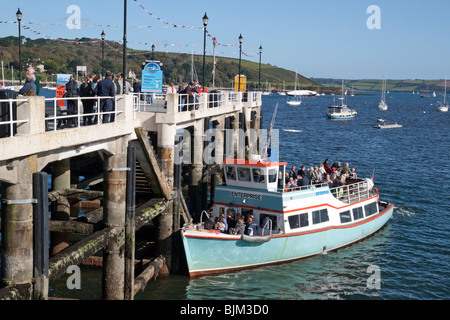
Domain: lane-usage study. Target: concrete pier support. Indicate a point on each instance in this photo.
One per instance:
(197, 168)
(165, 150)
(218, 154)
(61, 178)
(17, 225)
(115, 174)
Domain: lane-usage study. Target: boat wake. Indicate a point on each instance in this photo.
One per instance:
(404, 211)
(292, 130)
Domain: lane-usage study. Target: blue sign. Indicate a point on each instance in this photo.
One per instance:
(152, 78)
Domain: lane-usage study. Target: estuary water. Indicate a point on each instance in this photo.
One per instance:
(411, 253)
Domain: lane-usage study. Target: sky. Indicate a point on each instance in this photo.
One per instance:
(401, 39)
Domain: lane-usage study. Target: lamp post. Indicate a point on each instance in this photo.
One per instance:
(205, 23)
(240, 53)
(260, 54)
(19, 19)
(124, 45)
(153, 51)
(103, 53)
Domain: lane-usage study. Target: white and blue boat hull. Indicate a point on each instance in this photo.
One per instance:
(215, 252)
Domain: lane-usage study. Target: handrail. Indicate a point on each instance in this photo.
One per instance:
(11, 122)
(349, 193)
(270, 225)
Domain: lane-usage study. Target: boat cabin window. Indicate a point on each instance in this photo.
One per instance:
(345, 216)
(258, 176)
(244, 174)
(357, 213)
(264, 221)
(272, 175)
(298, 221)
(371, 209)
(320, 216)
(231, 173)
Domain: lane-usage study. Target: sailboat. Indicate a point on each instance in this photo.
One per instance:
(296, 100)
(267, 92)
(283, 93)
(443, 107)
(382, 104)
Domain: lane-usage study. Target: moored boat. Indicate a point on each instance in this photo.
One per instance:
(341, 112)
(289, 223)
(388, 126)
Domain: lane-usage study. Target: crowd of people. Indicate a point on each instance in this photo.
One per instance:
(334, 175)
(93, 86)
(237, 225)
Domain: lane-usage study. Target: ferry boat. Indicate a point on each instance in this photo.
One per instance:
(291, 223)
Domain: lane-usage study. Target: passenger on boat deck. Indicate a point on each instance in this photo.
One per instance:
(291, 183)
(280, 180)
(346, 170)
(326, 165)
(333, 174)
(252, 228)
(231, 223)
(339, 181)
(224, 221)
(317, 177)
(322, 171)
(286, 178)
(304, 182)
(301, 171)
(292, 172)
(328, 180)
(309, 174)
(209, 222)
(239, 229)
(219, 225)
(354, 175)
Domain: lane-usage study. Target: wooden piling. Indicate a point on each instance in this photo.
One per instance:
(130, 224)
(40, 236)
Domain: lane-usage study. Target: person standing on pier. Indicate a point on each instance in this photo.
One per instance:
(87, 90)
(37, 81)
(72, 91)
(106, 88)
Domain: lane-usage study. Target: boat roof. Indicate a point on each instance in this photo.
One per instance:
(254, 163)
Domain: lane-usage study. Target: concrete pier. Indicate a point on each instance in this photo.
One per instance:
(37, 147)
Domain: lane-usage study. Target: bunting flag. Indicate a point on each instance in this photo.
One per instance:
(26, 26)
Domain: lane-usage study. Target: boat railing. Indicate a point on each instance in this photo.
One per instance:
(349, 193)
(354, 192)
(268, 224)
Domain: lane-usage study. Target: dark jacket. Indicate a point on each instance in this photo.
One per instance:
(106, 88)
(72, 89)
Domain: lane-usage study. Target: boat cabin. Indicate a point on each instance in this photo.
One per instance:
(254, 174)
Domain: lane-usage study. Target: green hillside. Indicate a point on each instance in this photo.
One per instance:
(391, 85)
(64, 56)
